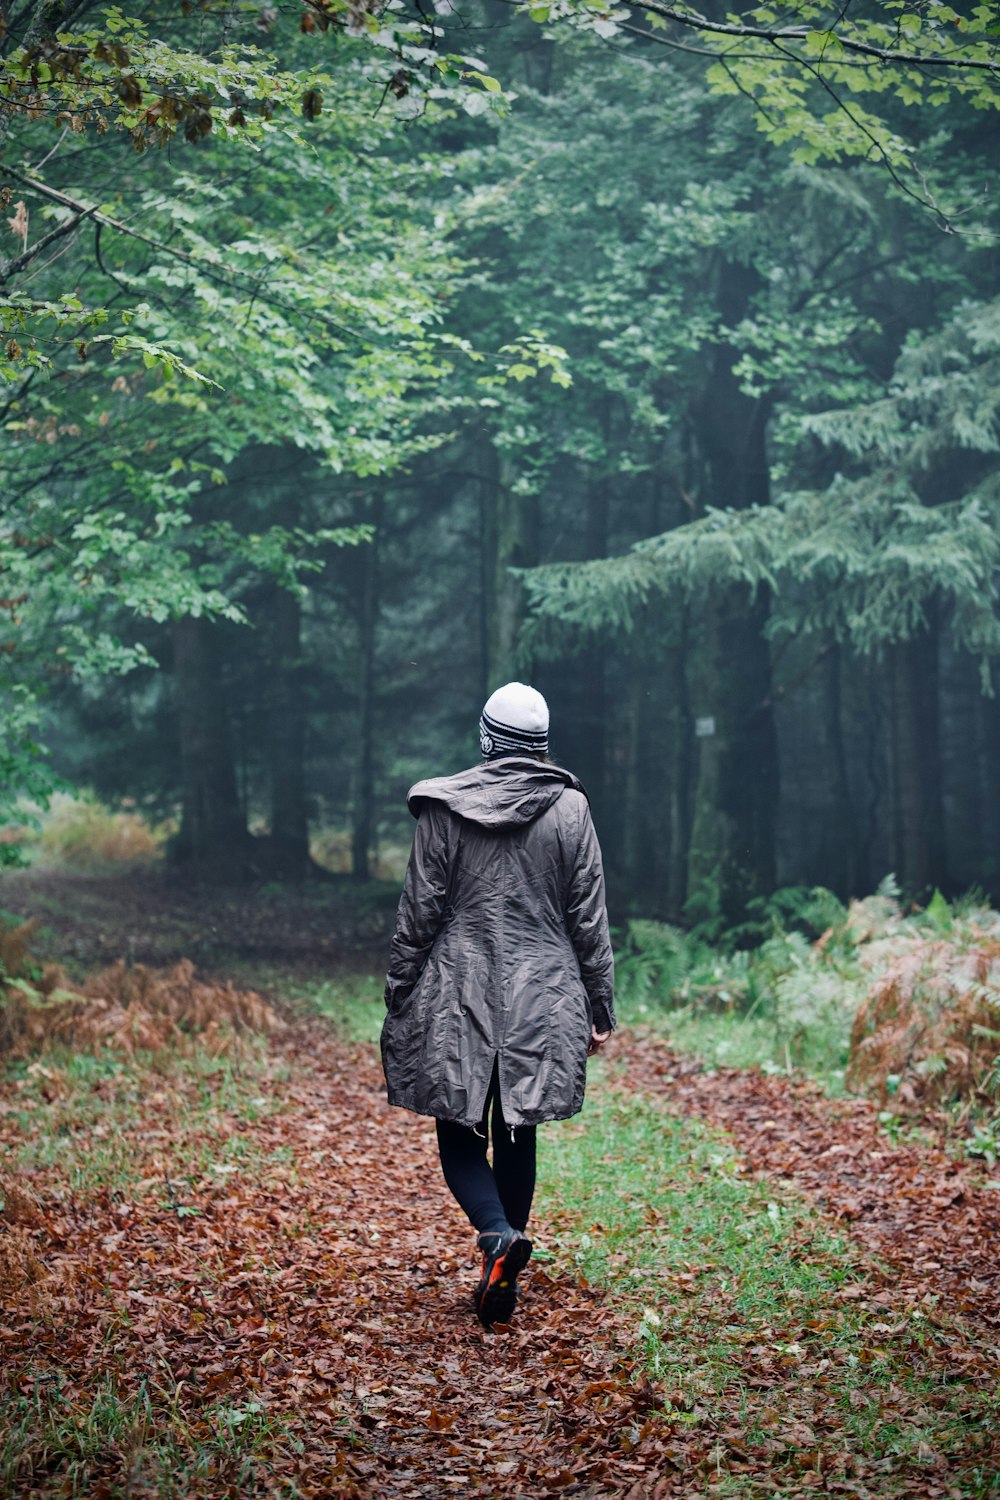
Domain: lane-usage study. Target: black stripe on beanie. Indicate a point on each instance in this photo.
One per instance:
(505, 739)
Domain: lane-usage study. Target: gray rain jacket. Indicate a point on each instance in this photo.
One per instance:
(501, 949)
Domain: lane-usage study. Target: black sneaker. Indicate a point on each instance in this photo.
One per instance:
(505, 1254)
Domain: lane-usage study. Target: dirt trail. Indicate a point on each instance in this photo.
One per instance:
(338, 1297)
(934, 1219)
(334, 1302)
(436, 1404)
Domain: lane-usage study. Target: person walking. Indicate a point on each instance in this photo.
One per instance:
(501, 978)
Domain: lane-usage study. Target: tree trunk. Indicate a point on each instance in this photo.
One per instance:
(594, 704)
(289, 843)
(487, 570)
(363, 822)
(625, 849)
(732, 853)
(213, 835)
(578, 693)
(918, 808)
(680, 775)
(989, 783)
(842, 840)
(966, 809)
(510, 540)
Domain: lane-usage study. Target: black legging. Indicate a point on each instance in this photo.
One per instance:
(498, 1196)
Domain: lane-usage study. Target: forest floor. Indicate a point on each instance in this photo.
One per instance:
(241, 1274)
(145, 914)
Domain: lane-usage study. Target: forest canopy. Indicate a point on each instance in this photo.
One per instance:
(358, 357)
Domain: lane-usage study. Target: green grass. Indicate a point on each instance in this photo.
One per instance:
(144, 1439)
(352, 1003)
(729, 1039)
(747, 1314)
(98, 1121)
(781, 1006)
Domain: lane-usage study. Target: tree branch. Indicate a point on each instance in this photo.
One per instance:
(228, 275)
(11, 267)
(925, 202)
(731, 54)
(101, 266)
(696, 22)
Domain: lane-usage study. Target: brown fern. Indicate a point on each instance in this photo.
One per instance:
(929, 1023)
(14, 944)
(131, 1009)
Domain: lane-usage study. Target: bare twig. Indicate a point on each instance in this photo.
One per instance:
(67, 226)
(37, 166)
(100, 262)
(925, 201)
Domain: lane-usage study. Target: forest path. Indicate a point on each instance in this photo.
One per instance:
(406, 1393)
(327, 1305)
(934, 1219)
(304, 1326)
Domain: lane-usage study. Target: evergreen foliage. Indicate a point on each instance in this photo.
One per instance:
(350, 369)
(864, 558)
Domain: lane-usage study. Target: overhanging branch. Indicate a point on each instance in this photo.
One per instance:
(695, 22)
(11, 267)
(228, 275)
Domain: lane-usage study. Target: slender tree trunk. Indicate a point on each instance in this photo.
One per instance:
(989, 784)
(47, 17)
(627, 845)
(869, 715)
(487, 575)
(680, 776)
(581, 701)
(511, 540)
(595, 705)
(918, 807)
(843, 841)
(363, 830)
(289, 843)
(213, 835)
(967, 846)
(732, 854)
(641, 744)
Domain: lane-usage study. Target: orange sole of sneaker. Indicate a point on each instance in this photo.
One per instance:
(500, 1296)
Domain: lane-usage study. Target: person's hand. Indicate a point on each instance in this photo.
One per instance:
(597, 1040)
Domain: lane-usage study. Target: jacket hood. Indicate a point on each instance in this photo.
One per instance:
(504, 793)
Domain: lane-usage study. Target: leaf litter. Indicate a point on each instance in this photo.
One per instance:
(298, 1317)
(334, 1295)
(934, 1219)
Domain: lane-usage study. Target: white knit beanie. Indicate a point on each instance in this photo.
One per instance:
(515, 721)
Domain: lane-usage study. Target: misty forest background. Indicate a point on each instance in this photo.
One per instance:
(358, 356)
(359, 360)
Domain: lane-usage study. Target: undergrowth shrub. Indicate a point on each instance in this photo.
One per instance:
(928, 1031)
(81, 831)
(126, 1008)
(907, 1005)
(14, 944)
(332, 848)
